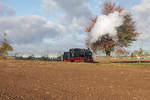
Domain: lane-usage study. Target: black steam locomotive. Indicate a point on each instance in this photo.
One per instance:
(78, 55)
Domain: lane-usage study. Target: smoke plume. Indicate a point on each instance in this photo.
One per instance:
(106, 25)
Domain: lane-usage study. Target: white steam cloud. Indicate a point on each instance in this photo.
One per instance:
(106, 24)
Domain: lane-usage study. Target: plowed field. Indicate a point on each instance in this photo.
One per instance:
(41, 80)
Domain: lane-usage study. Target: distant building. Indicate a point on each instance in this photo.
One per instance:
(146, 54)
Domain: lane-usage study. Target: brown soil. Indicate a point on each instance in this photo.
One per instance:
(36, 80)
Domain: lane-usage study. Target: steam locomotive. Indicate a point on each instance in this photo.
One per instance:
(78, 55)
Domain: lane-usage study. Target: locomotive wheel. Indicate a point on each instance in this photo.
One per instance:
(72, 60)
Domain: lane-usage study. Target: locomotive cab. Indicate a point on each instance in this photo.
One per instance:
(66, 56)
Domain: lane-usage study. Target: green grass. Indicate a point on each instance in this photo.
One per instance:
(131, 64)
(121, 62)
(109, 64)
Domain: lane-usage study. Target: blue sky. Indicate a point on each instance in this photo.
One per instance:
(33, 7)
(59, 24)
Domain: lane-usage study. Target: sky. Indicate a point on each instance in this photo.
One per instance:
(51, 26)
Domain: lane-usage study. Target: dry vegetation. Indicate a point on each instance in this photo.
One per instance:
(41, 80)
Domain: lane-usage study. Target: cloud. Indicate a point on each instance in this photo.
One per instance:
(35, 34)
(142, 18)
(6, 11)
(70, 13)
(61, 45)
(72, 18)
(57, 45)
(28, 29)
(75, 8)
(31, 33)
